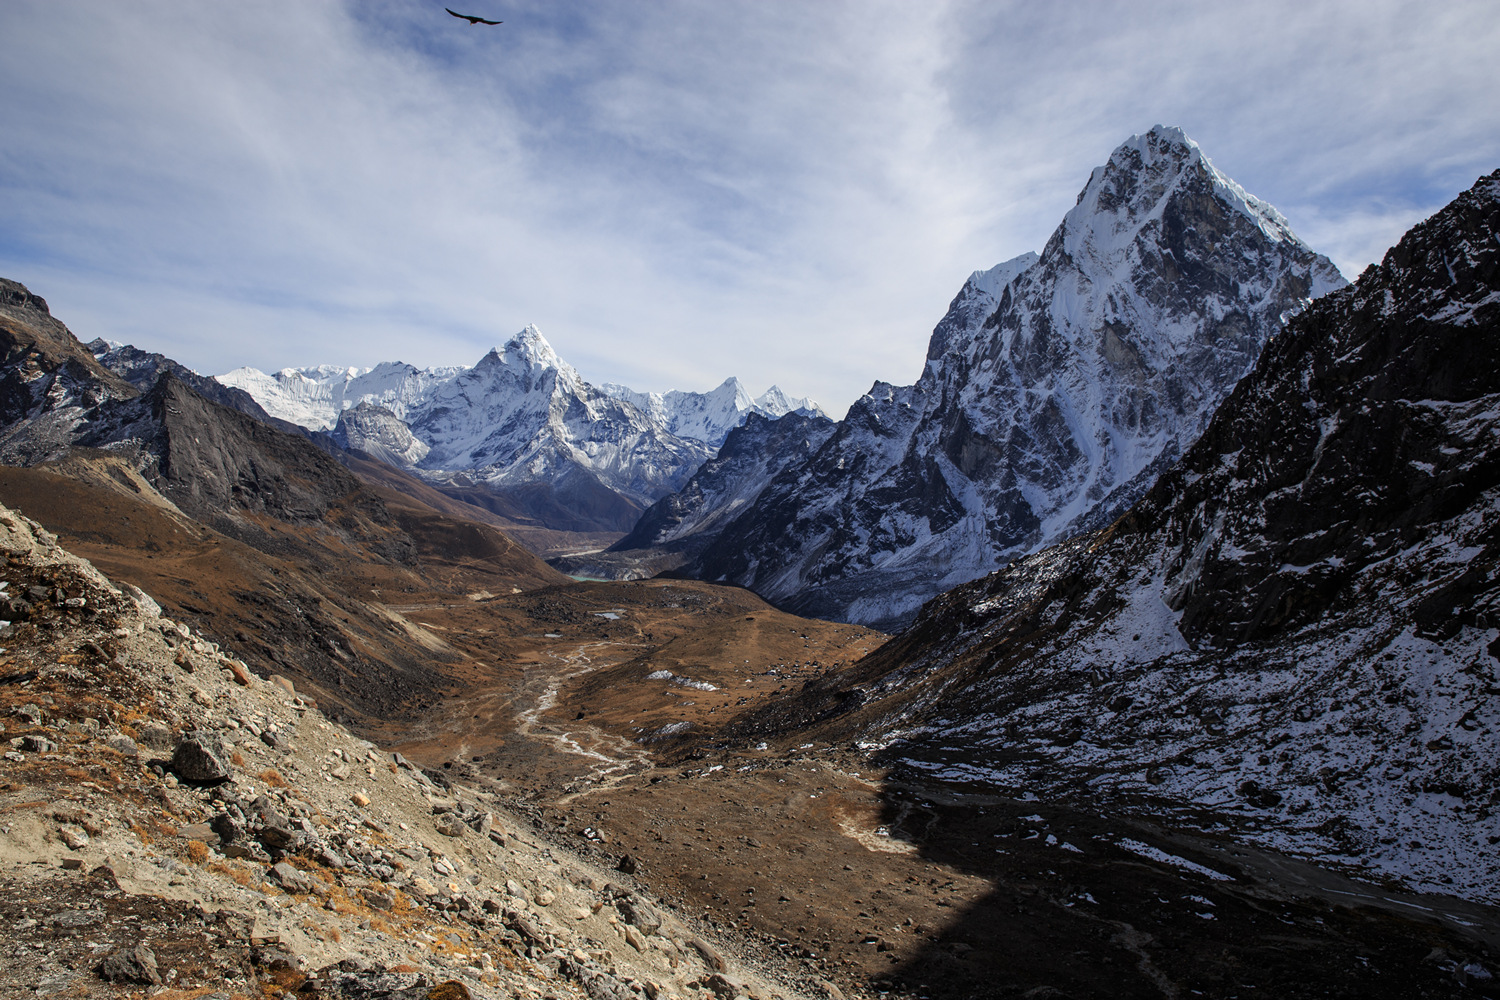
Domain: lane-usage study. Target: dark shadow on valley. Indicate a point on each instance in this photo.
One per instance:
(1080, 905)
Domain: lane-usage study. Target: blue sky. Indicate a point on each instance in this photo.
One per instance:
(672, 192)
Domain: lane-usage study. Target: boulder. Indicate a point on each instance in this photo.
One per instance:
(449, 825)
(638, 913)
(123, 745)
(200, 756)
(131, 965)
(291, 879)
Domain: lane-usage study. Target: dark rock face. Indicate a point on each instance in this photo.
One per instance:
(212, 455)
(751, 456)
(200, 756)
(1293, 634)
(131, 965)
(1371, 419)
(1057, 388)
(144, 369)
(46, 379)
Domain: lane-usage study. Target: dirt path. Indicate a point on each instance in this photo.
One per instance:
(613, 756)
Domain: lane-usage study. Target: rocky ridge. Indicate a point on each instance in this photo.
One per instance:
(1056, 389)
(168, 819)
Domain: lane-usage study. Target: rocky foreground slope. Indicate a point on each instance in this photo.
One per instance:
(169, 820)
(1294, 638)
(1056, 389)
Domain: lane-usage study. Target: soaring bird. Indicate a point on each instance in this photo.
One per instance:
(470, 17)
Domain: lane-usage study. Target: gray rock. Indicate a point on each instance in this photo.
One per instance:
(72, 919)
(639, 913)
(449, 825)
(227, 827)
(123, 745)
(200, 756)
(157, 736)
(37, 744)
(131, 965)
(603, 986)
(522, 925)
(289, 878)
(28, 713)
(247, 850)
(377, 899)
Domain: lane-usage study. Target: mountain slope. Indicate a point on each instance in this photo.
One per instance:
(678, 527)
(142, 369)
(1295, 636)
(1056, 388)
(252, 533)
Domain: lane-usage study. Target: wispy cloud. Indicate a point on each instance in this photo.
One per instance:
(674, 192)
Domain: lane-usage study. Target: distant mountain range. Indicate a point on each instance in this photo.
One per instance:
(521, 431)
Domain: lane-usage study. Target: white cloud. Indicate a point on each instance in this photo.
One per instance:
(675, 192)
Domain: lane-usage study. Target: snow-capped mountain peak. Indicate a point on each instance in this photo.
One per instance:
(1057, 388)
(775, 403)
(994, 280)
(1137, 182)
(531, 350)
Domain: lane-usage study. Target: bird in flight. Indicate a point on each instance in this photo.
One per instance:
(470, 17)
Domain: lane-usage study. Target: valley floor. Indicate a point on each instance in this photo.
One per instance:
(572, 762)
(819, 862)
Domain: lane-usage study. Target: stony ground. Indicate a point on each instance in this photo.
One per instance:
(173, 826)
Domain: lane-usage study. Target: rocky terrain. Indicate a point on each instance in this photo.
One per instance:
(172, 824)
(330, 733)
(256, 535)
(1057, 388)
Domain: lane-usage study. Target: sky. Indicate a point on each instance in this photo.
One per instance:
(672, 192)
